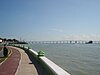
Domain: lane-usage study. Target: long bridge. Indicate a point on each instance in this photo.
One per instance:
(65, 42)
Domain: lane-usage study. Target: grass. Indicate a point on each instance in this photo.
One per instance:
(0, 48)
(3, 58)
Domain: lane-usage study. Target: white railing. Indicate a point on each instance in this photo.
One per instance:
(51, 66)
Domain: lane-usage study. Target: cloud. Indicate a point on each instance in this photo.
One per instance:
(56, 30)
(82, 37)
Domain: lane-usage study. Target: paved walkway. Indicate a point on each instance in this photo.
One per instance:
(13, 65)
(21, 63)
(25, 68)
(9, 66)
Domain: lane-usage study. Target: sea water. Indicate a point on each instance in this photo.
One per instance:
(77, 59)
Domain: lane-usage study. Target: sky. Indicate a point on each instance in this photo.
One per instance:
(43, 20)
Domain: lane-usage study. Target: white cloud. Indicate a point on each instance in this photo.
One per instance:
(56, 30)
(82, 37)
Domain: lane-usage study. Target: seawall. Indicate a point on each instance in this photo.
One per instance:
(51, 67)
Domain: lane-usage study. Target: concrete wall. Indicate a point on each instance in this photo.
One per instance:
(50, 66)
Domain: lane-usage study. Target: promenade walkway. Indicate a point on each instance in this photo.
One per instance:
(21, 62)
(10, 65)
(25, 66)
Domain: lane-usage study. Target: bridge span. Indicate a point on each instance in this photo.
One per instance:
(66, 42)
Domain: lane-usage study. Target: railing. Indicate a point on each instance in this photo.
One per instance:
(64, 42)
(51, 67)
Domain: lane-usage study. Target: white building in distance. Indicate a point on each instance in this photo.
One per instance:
(0, 41)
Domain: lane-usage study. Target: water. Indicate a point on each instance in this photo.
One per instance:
(77, 59)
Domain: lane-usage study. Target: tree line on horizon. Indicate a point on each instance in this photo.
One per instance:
(12, 41)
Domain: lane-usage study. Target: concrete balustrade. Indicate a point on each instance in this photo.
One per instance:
(55, 69)
(50, 66)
